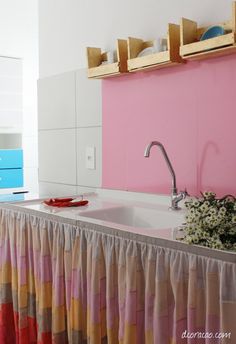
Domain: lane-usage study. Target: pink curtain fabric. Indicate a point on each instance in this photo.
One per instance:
(62, 283)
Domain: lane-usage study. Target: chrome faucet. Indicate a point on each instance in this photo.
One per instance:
(175, 196)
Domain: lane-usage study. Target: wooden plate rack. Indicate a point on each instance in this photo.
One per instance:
(95, 59)
(193, 49)
(162, 59)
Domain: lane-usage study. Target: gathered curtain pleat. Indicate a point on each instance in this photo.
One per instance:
(61, 283)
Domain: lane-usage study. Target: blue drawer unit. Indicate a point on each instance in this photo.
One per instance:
(11, 158)
(11, 178)
(11, 168)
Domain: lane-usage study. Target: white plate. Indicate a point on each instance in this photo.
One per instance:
(147, 51)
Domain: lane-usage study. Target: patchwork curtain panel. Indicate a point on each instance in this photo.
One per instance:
(64, 283)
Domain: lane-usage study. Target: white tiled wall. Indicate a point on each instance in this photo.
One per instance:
(11, 118)
(84, 189)
(55, 189)
(31, 179)
(9, 69)
(30, 148)
(70, 120)
(10, 84)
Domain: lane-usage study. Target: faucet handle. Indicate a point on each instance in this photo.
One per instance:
(176, 198)
(185, 193)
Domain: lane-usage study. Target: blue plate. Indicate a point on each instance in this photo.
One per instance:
(212, 32)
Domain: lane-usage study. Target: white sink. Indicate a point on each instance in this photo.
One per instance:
(138, 217)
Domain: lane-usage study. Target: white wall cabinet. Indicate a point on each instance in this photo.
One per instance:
(70, 119)
(88, 100)
(57, 156)
(56, 106)
(11, 98)
(11, 105)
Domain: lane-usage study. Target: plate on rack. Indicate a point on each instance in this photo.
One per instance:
(147, 51)
(213, 31)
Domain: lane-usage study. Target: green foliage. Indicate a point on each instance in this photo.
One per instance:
(211, 222)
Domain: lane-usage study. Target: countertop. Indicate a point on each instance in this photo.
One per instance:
(165, 237)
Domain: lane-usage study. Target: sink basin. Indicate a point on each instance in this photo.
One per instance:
(137, 217)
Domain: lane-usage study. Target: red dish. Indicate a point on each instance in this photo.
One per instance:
(64, 202)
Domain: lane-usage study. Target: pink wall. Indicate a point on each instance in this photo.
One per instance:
(190, 109)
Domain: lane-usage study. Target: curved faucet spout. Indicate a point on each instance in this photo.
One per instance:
(175, 197)
(160, 145)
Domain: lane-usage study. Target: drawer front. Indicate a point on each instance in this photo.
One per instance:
(11, 158)
(11, 178)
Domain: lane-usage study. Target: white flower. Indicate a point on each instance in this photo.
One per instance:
(189, 218)
(187, 205)
(207, 220)
(189, 239)
(205, 235)
(233, 219)
(222, 210)
(204, 207)
(209, 194)
(197, 218)
(195, 203)
(232, 230)
(221, 217)
(217, 244)
(212, 210)
(221, 230)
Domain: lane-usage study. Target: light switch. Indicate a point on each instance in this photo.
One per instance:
(90, 158)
